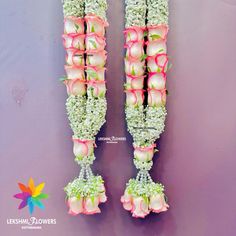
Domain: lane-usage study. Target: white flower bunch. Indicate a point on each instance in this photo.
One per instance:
(73, 8)
(158, 12)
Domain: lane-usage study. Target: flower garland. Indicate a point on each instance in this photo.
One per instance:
(84, 42)
(145, 122)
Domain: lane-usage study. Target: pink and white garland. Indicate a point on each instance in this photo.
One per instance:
(84, 42)
(146, 31)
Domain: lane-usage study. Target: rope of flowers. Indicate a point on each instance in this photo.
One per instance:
(146, 31)
(84, 42)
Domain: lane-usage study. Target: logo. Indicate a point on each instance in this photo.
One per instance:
(31, 196)
(112, 139)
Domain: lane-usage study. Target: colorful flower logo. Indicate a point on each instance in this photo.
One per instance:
(31, 195)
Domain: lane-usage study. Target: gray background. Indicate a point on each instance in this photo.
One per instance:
(197, 151)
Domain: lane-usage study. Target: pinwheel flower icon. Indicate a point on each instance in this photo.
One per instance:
(31, 196)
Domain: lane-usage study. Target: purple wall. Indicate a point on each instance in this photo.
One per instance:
(197, 158)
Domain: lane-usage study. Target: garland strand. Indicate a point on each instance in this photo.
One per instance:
(84, 42)
(145, 35)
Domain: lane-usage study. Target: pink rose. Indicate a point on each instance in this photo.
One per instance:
(102, 197)
(73, 25)
(157, 63)
(75, 86)
(91, 205)
(156, 47)
(75, 72)
(97, 59)
(156, 97)
(75, 205)
(157, 32)
(134, 50)
(144, 154)
(74, 41)
(94, 73)
(134, 34)
(99, 87)
(134, 82)
(157, 80)
(158, 204)
(75, 57)
(94, 42)
(140, 208)
(95, 25)
(135, 68)
(126, 200)
(83, 148)
(134, 97)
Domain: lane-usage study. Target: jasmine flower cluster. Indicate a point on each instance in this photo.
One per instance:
(97, 7)
(73, 8)
(135, 13)
(157, 12)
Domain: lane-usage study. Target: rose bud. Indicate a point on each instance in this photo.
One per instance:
(134, 82)
(94, 73)
(98, 88)
(135, 68)
(157, 63)
(140, 208)
(134, 50)
(156, 97)
(157, 80)
(126, 197)
(156, 47)
(144, 154)
(157, 32)
(83, 148)
(91, 205)
(75, 57)
(75, 205)
(158, 204)
(126, 200)
(74, 41)
(73, 25)
(95, 25)
(94, 42)
(75, 72)
(134, 97)
(97, 59)
(75, 87)
(134, 34)
(102, 197)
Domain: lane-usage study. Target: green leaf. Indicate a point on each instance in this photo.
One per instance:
(133, 71)
(63, 78)
(102, 95)
(161, 50)
(93, 199)
(143, 57)
(169, 66)
(91, 73)
(155, 36)
(159, 69)
(145, 33)
(76, 27)
(127, 86)
(93, 43)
